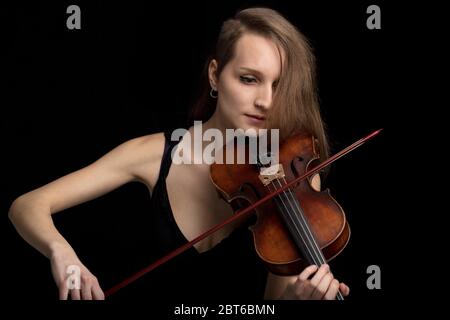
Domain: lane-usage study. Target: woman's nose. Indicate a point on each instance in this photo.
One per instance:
(264, 98)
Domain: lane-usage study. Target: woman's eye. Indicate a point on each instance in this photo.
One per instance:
(247, 80)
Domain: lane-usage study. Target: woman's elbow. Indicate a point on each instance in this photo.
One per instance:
(21, 204)
(16, 207)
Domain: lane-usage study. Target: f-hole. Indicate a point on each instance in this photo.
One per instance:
(240, 202)
(296, 161)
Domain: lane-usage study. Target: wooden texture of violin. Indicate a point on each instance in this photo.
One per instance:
(274, 235)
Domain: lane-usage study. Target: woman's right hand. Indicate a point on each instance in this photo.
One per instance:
(72, 277)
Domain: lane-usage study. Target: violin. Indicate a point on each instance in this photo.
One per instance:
(296, 224)
(301, 226)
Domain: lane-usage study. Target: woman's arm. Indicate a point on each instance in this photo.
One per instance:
(134, 160)
(276, 285)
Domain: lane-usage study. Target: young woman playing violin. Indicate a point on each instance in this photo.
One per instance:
(261, 76)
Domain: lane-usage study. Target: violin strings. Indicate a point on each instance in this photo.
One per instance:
(308, 229)
(289, 215)
(278, 199)
(295, 220)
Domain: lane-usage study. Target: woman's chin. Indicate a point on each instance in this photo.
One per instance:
(251, 129)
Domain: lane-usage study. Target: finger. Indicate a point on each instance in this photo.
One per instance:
(86, 293)
(97, 293)
(307, 272)
(323, 270)
(63, 292)
(332, 290)
(292, 280)
(344, 289)
(303, 289)
(75, 294)
(322, 287)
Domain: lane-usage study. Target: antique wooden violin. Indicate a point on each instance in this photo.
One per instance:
(301, 226)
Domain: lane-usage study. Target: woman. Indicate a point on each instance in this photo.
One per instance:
(261, 76)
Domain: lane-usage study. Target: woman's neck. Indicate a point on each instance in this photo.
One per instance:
(215, 122)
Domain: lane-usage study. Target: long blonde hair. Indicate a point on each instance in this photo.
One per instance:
(295, 106)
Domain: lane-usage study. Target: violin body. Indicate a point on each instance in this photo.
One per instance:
(291, 228)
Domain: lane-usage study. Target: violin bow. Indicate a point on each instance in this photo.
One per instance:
(239, 214)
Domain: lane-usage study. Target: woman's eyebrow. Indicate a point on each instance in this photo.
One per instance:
(251, 70)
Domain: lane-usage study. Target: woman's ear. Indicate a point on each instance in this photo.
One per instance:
(212, 74)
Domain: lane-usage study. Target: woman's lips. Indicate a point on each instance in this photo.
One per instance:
(255, 119)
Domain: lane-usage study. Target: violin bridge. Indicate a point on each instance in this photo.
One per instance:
(268, 174)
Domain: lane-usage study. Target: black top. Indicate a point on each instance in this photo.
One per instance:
(231, 270)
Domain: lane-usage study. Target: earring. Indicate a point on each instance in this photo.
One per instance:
(213, 93)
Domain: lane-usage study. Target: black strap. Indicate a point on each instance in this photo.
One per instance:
(166, 160)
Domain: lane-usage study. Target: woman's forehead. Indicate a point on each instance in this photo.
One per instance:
(259, 53)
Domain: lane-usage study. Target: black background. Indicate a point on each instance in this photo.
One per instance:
(70, 96)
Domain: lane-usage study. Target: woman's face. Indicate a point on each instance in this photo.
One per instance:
(246, 84)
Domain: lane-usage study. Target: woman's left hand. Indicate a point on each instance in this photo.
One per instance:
(321, 286)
